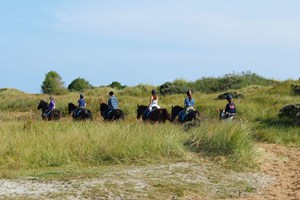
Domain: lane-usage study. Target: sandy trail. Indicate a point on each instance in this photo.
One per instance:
(283, 163)
(279, 179)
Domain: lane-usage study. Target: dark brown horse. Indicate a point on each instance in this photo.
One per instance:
(191, 115)
(53, 115)
(156, 115)
(110, 114)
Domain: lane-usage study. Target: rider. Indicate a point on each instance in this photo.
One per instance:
(153, 103)
(112, 101)
(81, 103)
(50, 107)
(189, 104)
(230, 109)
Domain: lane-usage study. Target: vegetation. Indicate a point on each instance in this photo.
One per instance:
(29, 144)
(79, 84)
(117, 85)
(231, 81)
(53, 84)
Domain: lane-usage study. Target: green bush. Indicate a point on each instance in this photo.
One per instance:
(79, 84)
(295, 89)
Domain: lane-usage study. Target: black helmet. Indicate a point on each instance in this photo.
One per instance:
(111, 93)
(189, 92)
(229, 97)
(153, 92)
(81, 96)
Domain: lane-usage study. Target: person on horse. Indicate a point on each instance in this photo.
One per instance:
(81, 104)
(153, 103)
(189, 104)
(112, 101)
(50, 107)
(230, 109)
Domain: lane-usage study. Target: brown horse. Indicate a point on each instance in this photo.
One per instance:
(156, 115)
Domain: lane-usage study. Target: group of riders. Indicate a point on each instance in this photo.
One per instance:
(189, 105)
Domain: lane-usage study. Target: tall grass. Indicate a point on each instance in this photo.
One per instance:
(27, 142)
(39, 144)
(232, 140)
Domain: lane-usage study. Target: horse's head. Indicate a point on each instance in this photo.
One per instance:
(103, 107)
(140, 110)
(42, 105)
(175, 111)
(71, 107)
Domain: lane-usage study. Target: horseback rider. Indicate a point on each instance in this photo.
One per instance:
(153, 103)
(50, 107)
(230, 109)
(189, 104)
(112, 101)
(81, 104)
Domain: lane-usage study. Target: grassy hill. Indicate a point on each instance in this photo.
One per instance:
(29, 145)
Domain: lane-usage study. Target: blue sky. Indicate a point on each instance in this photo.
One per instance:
(149, 42)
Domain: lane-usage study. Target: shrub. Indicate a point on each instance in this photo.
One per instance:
(232, 93)
(295, 89)
(290, 112)
(79, 84)
(117, 85)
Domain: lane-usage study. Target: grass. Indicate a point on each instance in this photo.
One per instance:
(66, 150)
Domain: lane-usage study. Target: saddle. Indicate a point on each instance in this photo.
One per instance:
(79, 111)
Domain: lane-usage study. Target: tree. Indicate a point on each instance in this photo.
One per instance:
(53, 84)
(79, 84)
(116, 84)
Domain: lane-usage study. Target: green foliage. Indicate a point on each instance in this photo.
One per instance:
(291, 111)
(212, 85)
(79, 84)
(177, 87)
(295, 89)
(53, 84)
(117, 85)
(234, 94)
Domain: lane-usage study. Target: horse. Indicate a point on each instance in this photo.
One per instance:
(156, 115)
(224, 116)
(191, 115)
(80, 114)
(110, 114)
(53, 115)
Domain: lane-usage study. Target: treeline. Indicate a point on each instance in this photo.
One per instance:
(53, 84)
(230, 81)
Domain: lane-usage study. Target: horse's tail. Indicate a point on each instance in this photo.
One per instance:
(166, 115)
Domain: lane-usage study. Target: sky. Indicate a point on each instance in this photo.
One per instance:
(146, 41)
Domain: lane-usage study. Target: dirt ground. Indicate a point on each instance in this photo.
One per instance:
(283, 163)
(279, 179)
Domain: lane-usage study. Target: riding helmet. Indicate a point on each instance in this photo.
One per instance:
(153, 92)
(229, 97)
(81, 96)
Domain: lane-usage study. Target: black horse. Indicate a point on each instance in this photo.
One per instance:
(110, 114)
(53, 115)
(191, 115)
(156, 115)
(79, 114)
